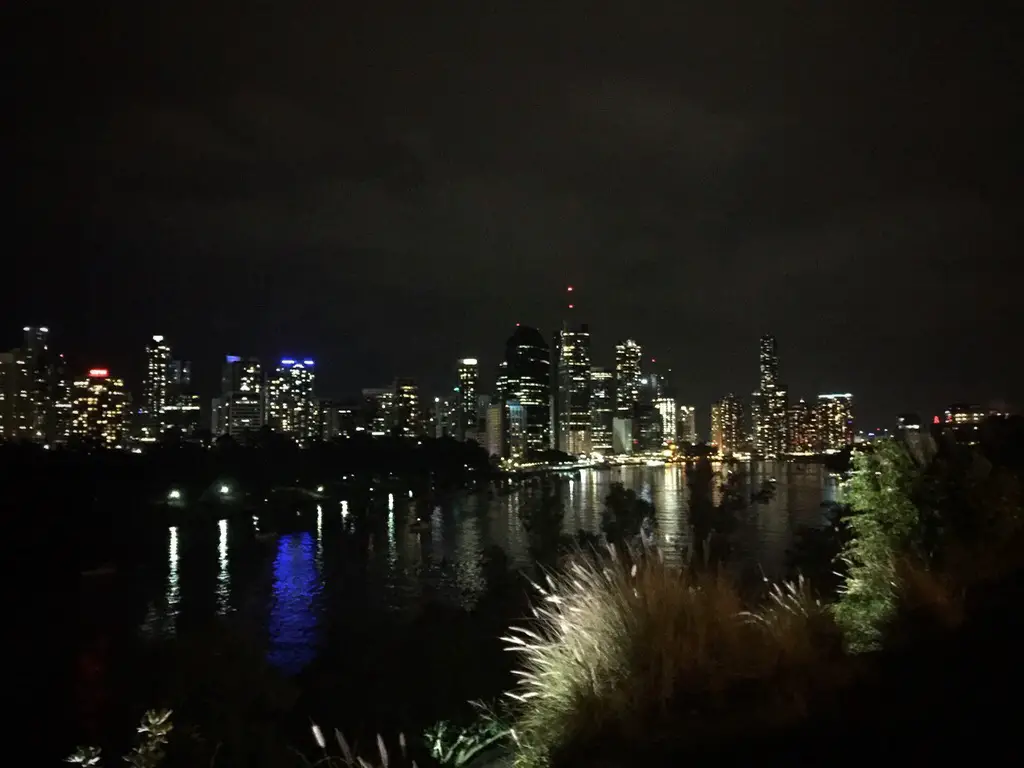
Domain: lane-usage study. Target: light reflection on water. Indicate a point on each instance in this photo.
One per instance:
(313, 571)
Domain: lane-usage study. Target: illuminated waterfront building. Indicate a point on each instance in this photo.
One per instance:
(908, 422)
(180, 413)
(337, 419)
(602, 409)
(686, 432)
(628, 378)
(239, 412)
(406, 415)
(726, 425)
(99, 409)
(156, 389)
(802, 428)
(668, 411)
(291, 404)
(377, 404)
(770, 403)
(834, 418)
(525, 378)
(469, 377)
(9, 379)
(573, 389)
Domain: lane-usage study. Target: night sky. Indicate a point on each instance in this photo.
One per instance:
(390, 186)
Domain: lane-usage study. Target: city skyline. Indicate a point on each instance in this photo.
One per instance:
(396, 188)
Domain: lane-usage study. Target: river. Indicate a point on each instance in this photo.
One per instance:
(299, 594)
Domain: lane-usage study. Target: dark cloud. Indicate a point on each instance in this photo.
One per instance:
(393, 186)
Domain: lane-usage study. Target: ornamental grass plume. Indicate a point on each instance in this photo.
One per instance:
(625, 646)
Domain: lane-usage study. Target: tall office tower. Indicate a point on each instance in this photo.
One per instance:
(8, 395)
(99, 409)
(525, 378)
(337, 419)
(668, 411)
(726, 425)
(602, 409)
(801, 427)
(686, 432)
(33, 405)
(291, 404)
(628, 378)
(377, 410)
(239, 411)
(769, 363)
(407, 417)
(770, 403)
(156, 389)
(573, 376)
(61, 393)
(469, 376)
(835, 421)
(180, 414)
(444, 416)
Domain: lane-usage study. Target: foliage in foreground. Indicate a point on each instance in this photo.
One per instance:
(454, 746)
(884, 528)
(630, 644)
(153, 729)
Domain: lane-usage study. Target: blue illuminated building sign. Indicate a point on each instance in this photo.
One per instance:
(232, 359)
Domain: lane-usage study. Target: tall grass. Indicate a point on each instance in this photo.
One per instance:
(625, 644)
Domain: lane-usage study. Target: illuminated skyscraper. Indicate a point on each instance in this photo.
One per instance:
(525, 378)
(835, 421)
(687, 431)
(407, 415)
(802, 428)
(602, 409)
(156, 389)
(770, 404)
(377, 410)
(239, 411)
(628, 378)
(180, 412)
(669, 413)
(573, 379)
(291, 402)
(469, 376)
(726, 425)
(99, 410)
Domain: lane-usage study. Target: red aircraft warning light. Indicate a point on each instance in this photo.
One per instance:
(98, 373)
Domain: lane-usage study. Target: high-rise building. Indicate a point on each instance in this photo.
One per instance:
(770, 403)
(669, 413)
(35, 402)
(834, 420)
(516, 430)
(239, 412)
(469, 376)
(407, 419)
(9, 376)
(156, 389)
(291, 404)
(337, 419)
(686, 432)
(602, 409)
(526, 379)
(180, 413)
(573, 381)
(726, 425)
(628, 378)
(99, 409)
(802, 428)
(377, 410)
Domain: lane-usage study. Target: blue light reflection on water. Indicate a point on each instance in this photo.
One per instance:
(294, 616)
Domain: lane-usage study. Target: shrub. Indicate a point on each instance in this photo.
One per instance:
(885, 524)
(621, 648)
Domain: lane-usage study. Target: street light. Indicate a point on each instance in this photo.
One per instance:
(174, 494)
(224, 490)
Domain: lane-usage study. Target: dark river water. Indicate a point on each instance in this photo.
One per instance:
(301, 596)
(289, 585)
